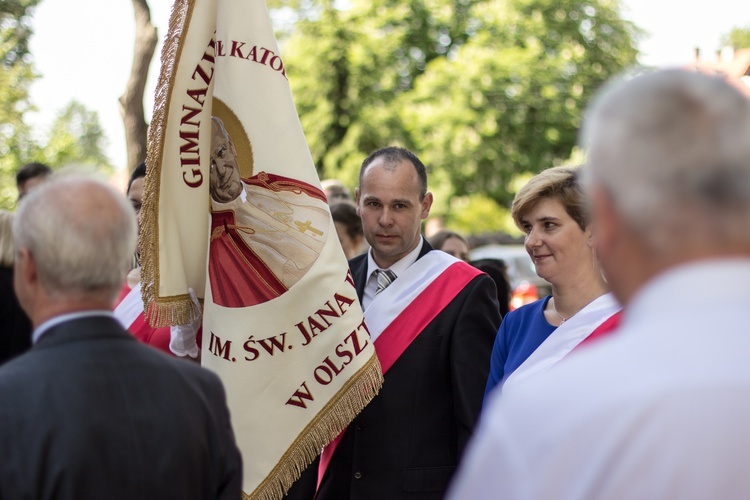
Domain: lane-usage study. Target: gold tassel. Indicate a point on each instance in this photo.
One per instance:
(178, 309)
(327, 425)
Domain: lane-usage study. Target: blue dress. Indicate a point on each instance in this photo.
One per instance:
(520, 333)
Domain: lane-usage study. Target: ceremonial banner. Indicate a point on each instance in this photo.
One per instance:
(233, 209)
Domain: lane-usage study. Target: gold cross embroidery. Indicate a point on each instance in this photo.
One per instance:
(307, 226)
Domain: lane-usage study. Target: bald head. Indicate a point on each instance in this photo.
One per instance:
(669, 170)
(80, 234)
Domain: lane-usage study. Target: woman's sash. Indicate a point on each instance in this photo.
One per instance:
(398, 314)
(565, 338)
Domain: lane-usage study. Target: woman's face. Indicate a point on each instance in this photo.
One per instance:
(135, 195)
(558, 247)
(456, 248)
(350, 245)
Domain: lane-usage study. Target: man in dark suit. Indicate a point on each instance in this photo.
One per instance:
(433, 331)
(89, 412)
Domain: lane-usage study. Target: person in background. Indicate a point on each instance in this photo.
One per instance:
(335, 191)
(432, 319)
(451, 243)
(29, 176)
(660, 409)
(498, 271)
(15, 326)
(180, 340)
(88, 412)
(349, 228)
(135, 196)
(550, 209)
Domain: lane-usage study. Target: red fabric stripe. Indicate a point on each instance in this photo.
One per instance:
(238, 276)
(402, 331)
(416, 316)
(610, 324)
(144, 332)
(280, 183)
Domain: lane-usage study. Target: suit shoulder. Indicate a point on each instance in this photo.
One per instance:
(191, 368)
(183, 368)
(479, 282)
(357, 261)
(18, 369)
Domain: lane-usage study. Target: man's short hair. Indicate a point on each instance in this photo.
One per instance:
(31, 170)
(671, 147)
(138, 172)
(335, 190)
(77, 250)
(393, 155)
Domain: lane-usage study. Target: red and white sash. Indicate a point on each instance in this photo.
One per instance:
(129, 312)
(130, 307)
(398, 314)
(565, 338)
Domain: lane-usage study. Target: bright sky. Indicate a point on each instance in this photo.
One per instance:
(83, 50)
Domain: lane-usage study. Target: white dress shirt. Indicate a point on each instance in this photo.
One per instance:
(399, 267)
(658, 410)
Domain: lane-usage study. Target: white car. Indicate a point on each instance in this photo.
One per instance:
(525, 284)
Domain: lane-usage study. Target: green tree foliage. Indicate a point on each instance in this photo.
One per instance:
(15, 31)
(738, 38)
(482, 90)
(510, 100)
(75, 137)
(16, 75)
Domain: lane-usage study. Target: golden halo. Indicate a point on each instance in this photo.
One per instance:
(238, 135)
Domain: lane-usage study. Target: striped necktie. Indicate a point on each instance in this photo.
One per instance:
(385, 278)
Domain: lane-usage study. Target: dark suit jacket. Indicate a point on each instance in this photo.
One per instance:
(91, 413)
(15, 327)
(407, 442)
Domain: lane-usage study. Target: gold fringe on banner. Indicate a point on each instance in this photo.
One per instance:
(331, 421)
(179, 309)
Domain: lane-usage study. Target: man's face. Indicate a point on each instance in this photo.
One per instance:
(225, 174)
(388, 201)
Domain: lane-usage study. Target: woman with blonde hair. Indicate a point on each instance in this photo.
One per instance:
(550, 210)
(15, 327)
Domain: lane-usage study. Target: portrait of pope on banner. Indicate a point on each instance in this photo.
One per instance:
(266, 230)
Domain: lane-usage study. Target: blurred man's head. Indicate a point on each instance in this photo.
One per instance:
(29, 176)
(669, 174)
(335, 191)
(74, 239)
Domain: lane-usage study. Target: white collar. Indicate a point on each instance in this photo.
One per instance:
(44, 327)
(687, 285)
(399, 266)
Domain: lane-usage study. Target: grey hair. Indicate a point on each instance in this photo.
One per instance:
(80, 232)
(672, 148)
